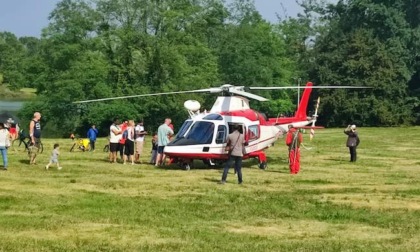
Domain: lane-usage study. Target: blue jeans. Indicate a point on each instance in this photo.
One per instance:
(3, 151)
(238, 166)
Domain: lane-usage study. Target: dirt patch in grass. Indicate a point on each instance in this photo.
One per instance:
(117, 235)
(309, 229)
(374, 201)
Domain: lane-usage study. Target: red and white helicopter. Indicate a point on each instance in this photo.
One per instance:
(204, 135)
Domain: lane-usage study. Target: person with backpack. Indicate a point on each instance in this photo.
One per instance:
(121, 143)
(129, 136)
(293, 141)
(235, 148)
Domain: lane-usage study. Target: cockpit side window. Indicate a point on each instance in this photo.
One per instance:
(184, 128)
(221, 136)
(253, 132)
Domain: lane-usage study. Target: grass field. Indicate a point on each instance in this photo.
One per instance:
(331, 205)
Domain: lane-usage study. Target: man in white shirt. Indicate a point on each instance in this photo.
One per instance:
(140, 133)
(115, 134)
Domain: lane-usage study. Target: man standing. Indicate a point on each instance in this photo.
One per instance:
(293, 140)
(164, 133)
(352, 141)
(115, 136)
(92, 134)
(35, 135)
(140, 133)
(236, 143)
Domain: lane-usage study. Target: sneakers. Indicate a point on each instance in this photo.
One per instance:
(46, 167)
(59, 168)
(222, 182)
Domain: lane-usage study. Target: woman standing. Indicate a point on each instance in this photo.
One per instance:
(352, 141)
(129, 143)
(4, 144)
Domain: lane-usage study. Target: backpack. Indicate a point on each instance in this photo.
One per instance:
(125, 134)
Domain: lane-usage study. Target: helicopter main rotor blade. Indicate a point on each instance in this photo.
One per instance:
(210, 90)
(303, 87)
(246, 94)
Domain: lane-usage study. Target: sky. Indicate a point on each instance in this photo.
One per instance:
(28, 17)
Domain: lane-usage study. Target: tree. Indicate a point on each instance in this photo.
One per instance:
(367, 43)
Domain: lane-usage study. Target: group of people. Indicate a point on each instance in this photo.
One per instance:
(10, 131)
(128, 139)
(236, 144)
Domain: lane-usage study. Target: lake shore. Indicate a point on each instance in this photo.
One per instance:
(22, 94)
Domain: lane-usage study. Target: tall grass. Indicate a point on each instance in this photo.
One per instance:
(331, 205)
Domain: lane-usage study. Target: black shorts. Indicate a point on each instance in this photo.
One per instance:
(129, 148)
(160, 149)
(113, 147)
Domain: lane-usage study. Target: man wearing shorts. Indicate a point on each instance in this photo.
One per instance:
(35, 135)
(164, 133)
(115, 134)
(140, 133)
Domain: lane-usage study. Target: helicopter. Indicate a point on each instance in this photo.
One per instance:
(203, 136)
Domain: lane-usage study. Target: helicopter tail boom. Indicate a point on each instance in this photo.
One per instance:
(303, 104)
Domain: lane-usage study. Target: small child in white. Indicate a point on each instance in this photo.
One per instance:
(54, 157)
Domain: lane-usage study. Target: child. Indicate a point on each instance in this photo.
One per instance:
(154, 148)
(54, 157)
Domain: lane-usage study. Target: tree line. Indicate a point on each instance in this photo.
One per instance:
(105, 48)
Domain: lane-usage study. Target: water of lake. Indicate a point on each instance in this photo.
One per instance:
(10, 106)
(9, 109)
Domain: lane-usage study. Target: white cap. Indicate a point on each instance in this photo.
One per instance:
(353, 127)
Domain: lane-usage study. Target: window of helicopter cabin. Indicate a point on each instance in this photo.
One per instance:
(241, 127)
(221, 136)
(253, 132)
(184, 128)
(201, 132)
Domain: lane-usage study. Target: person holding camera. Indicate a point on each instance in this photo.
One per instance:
(352, 141)
(235, 147)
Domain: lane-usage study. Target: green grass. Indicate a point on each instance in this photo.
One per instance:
(331, 205)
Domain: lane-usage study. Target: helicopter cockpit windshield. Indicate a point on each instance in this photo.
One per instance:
(201, 132)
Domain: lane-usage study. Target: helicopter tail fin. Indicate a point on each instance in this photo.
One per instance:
(303, 104)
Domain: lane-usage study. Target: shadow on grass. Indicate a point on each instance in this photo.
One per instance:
(336, 159)
(284, 171)
(24, 161)
(213, 180)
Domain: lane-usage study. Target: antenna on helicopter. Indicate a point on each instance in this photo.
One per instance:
(193, 107)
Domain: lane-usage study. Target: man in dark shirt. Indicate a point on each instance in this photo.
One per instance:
(35, 135)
